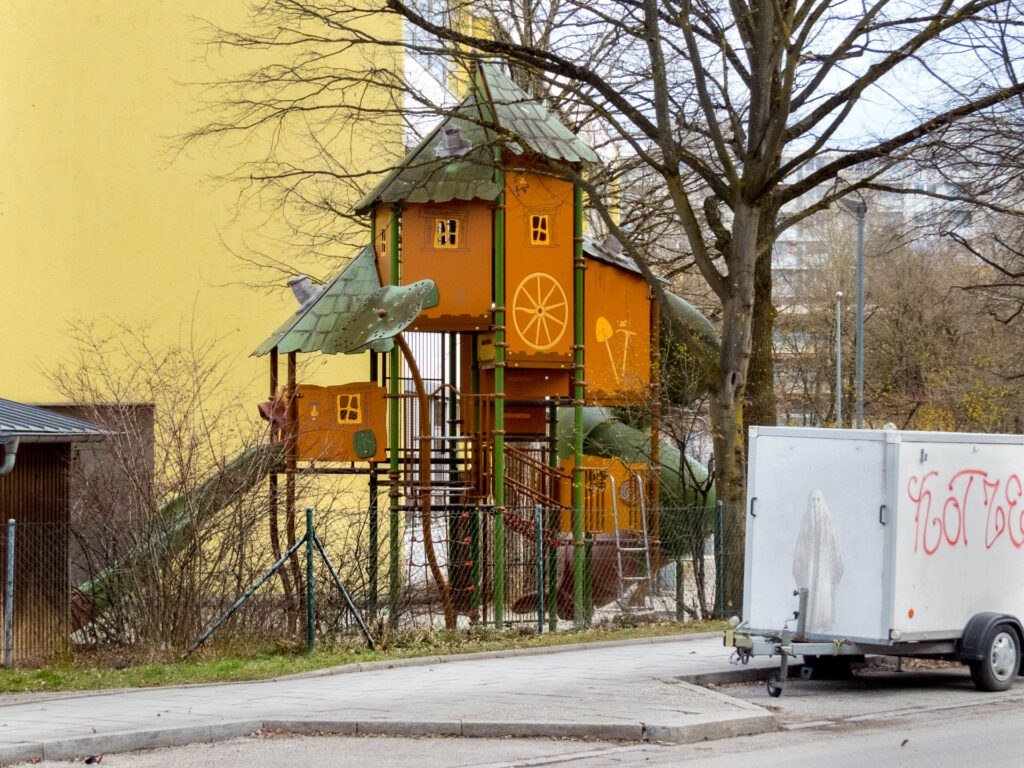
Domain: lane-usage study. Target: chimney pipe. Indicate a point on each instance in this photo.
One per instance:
(612, 245)
(453, 143)
(304, 290)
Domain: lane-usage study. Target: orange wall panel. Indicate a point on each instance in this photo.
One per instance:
(618, 478)
(527, 384)
(617, 334)
(461, 272)
(538, 276)
(326, 435)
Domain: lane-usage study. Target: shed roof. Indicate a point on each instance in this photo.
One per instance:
(34, 424)
(494, 107)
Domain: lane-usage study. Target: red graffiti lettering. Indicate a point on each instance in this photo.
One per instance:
(949, 523)
(1012, 499)
(992, 533)
(961, 506)
(923, 497)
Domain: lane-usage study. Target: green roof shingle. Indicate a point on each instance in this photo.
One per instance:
(346, 316)
(494, 106)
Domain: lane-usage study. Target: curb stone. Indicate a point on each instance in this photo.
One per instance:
(736, 676)
(125, 741)
(707, 728)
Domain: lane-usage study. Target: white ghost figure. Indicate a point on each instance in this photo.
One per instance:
(817, 564)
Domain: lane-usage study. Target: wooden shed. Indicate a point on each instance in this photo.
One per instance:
(35, 458)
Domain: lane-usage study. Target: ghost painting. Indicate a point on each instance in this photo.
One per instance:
(817, 564)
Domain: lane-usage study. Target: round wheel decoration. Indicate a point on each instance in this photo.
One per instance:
(630, 492)
(540, 311)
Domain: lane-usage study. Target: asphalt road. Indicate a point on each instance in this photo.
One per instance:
(932, 718)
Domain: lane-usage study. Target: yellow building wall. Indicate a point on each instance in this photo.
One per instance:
(98, 218)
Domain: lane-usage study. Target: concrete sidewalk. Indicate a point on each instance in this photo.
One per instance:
(632, 690)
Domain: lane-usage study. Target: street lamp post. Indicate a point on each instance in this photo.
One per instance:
(839, 360)
(859, 208)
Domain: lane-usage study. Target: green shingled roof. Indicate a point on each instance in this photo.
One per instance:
(495, 105)
(422, 177)
(346, 317)
(527, 119)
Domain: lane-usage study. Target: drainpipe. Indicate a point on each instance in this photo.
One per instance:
(10, 445)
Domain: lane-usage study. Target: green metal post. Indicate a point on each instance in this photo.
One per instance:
(245, 596)
(719, 560)
(579, 611)
(394, 363)
(553, 524)
(310, 607)
(499, 401)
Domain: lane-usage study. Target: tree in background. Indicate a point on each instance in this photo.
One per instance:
(724, 104)
(935, 357)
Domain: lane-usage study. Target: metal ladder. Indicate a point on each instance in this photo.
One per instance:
(619, 549)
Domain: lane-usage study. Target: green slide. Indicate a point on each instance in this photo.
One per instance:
(175, 517)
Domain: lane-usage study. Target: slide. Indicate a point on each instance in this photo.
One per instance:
(605, 435)
(176, 515)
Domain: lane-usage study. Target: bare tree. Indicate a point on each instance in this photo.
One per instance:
(725, 104)
(935, 358)
(166, 516)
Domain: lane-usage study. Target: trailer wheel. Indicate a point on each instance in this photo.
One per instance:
(997, 670)
(774, 684)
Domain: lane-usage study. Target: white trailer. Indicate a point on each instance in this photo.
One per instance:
(884, 542)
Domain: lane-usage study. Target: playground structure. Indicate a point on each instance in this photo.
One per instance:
(524, 332)
(507, 352)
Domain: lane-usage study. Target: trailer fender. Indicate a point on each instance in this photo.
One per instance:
(971, 645)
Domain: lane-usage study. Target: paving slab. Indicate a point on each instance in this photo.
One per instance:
(633, 691)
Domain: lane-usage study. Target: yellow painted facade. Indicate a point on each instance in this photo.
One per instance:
(98, 217)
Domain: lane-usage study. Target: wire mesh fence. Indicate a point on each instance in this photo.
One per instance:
(159, 584)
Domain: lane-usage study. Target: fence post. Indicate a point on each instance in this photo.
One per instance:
(310, 608)
(719, 559)
(588, 580)
(539, 529)
(9, 597)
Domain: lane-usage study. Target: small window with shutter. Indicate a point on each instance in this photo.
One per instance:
(540, 234)
(348, 409)
(447, 233)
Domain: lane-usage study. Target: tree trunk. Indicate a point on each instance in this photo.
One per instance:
(727, 397)
(729, 478)
(759, 406)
